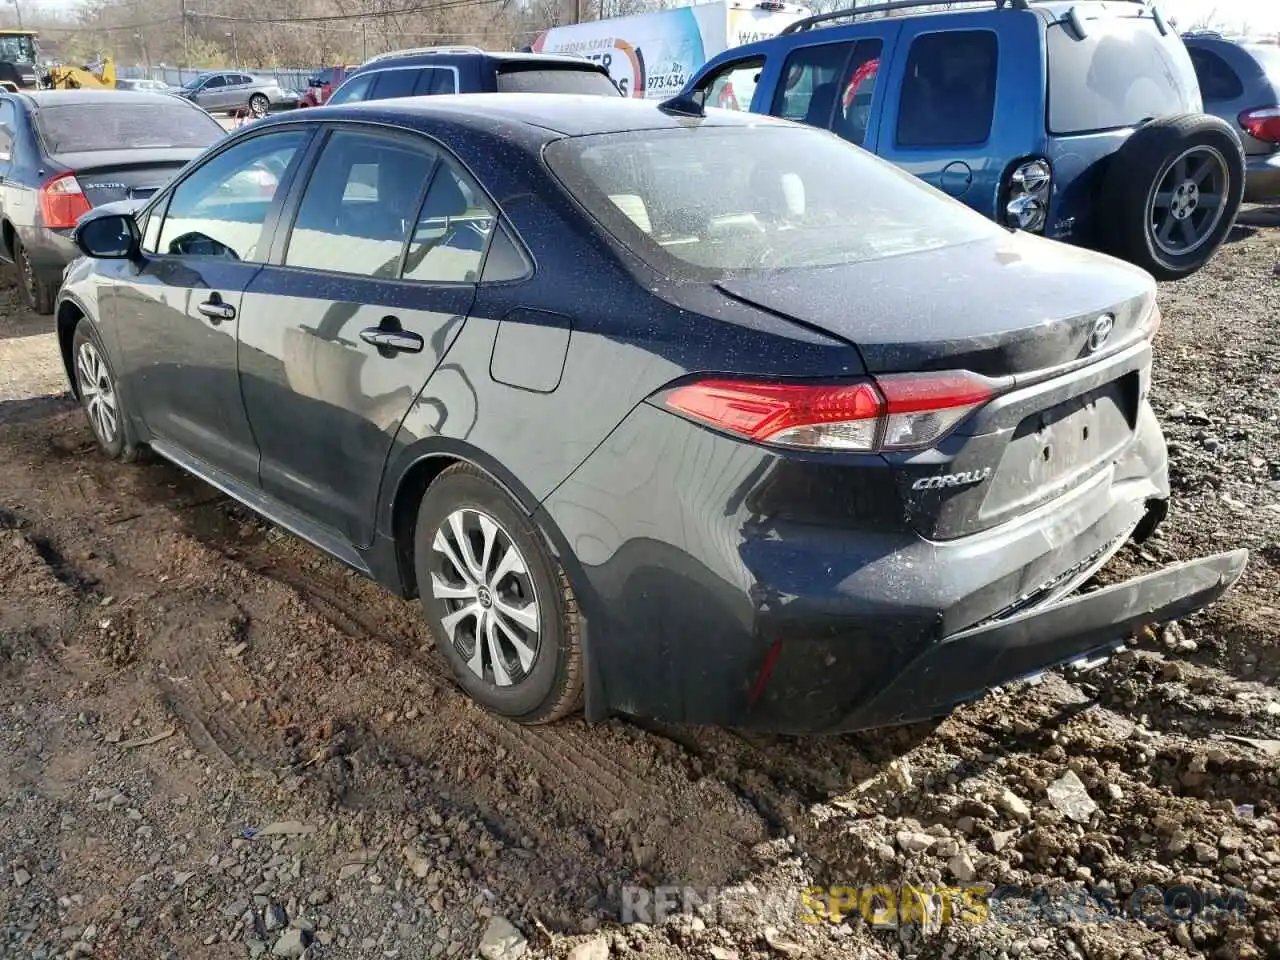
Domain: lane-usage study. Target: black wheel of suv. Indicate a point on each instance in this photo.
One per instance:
(499, 605)
(96, 384)
(37, 292)
(1172, 193)
(259, 105)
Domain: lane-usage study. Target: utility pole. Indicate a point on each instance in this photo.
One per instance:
(17, 8)
(577, 11)
(364, 40)
(186, 35)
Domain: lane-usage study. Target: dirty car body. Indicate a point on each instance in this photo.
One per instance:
(811, 458)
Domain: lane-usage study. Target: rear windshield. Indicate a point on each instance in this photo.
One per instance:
(73, 127)
(707, 202)
(1124, 72)
(514, 79)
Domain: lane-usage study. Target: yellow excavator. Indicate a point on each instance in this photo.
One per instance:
(94, 76)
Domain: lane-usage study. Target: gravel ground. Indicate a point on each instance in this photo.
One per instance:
(217, 743)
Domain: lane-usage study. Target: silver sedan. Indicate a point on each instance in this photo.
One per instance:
(228, 91)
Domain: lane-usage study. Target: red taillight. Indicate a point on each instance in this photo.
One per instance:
(898, 412)
(1262, 124)
(62, 202)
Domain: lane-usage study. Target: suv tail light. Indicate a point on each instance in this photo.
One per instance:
(1262, 124)
(62, 202)
(1026, 193)
(897, 412)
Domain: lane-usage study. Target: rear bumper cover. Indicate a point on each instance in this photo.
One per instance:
(719, 590)
(1262, 178)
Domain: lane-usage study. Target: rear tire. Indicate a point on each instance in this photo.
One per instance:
(1155, 195)
(38, 292)
(259, 105)
(99, 396)
(500, 607)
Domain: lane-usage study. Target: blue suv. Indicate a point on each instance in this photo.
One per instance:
(1077, 119)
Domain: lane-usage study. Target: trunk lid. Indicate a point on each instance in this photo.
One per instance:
(107, 177)
(1022, 312)
(1011, 308)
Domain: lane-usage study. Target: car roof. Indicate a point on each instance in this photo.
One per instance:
(564, 114)
(45, 98)
(426, 57)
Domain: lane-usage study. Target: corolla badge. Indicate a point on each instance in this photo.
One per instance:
(1101, 332)
(966, 478)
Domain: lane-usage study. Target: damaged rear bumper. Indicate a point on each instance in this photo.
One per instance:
(966, 664)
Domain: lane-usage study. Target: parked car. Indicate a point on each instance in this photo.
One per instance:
(647, 406)
(231, 91)
(434, 70)
(1240, 83)
(136, 84)
(63, 152)
(320, 87)
(1076, 119)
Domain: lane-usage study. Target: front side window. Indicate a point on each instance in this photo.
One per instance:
(1123, 73)
(452, 231)
(810, 84)
(221, 208)
(359, 205)
(215, 82)
(732, 86)
(721, 201)
(355, 89)
(949, 90)
(17, 49)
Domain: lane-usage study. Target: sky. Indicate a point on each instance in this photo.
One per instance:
(1262, 16)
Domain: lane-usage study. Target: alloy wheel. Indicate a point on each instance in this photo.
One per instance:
(482, 579)
(1188, 203)
(97, 393)
(258, 105)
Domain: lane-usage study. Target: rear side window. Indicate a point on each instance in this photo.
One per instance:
(353, 218)
(433, 82)
(513, 79)
(857, 92)
(71, 128)
(452, 231)
(949, 90)
(392, 84)
(1216, 78)
(810, 82)
(732, 86)
(1124, 72)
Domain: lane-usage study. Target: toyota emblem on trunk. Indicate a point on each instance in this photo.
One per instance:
(1101, 331)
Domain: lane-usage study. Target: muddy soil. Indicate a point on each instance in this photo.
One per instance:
(216, 742)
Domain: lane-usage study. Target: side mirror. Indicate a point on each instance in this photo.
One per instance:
(112, 236)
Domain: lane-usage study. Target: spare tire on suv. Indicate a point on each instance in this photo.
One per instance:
(1171, 194)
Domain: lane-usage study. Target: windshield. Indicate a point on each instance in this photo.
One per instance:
(1123, 73)
(705, 202)
(514, 79)
(76, 127)
(17, 50)
(195, 82)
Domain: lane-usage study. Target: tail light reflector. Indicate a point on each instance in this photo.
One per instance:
(1262, 124)
(896, 412)
(62, 202)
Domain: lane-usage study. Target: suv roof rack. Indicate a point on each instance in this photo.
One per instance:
(415, 51)
(894, 5)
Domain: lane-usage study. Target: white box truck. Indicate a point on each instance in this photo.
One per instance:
(654, 54)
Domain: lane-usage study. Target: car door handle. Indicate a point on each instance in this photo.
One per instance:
(387, 338)
(216, 310)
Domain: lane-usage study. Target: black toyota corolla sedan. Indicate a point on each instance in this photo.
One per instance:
(708, 418)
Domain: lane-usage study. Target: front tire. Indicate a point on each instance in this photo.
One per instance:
(500, 607)
(38, 292)
(99, 396)
(259, 105)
